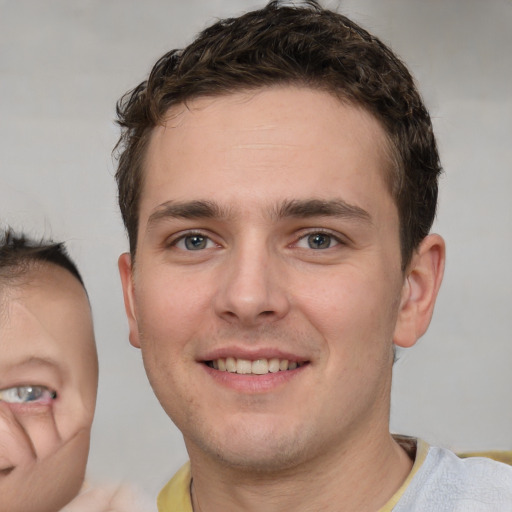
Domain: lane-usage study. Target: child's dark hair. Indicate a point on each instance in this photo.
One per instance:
(20, 253)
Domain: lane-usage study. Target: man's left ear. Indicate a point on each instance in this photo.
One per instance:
(422, 281)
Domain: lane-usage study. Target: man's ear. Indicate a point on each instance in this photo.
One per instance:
(422, 281)
(126, 273)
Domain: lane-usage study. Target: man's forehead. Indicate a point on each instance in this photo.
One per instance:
(224, 159)
(265, 119)
(303, 99)
(176, 115)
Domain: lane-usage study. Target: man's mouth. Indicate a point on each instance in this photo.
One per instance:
(257, 367)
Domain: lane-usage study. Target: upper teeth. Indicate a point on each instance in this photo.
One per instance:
(257, 367)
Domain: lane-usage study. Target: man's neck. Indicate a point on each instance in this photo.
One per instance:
(362, 478)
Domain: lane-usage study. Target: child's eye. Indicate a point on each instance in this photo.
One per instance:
(27, 394)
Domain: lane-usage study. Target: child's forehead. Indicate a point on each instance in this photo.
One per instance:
(49, 279)
(46, 315)
(38, 278)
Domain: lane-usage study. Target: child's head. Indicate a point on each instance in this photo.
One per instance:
(48, 376)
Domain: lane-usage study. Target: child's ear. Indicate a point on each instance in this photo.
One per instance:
(126, 273)
(421, 285)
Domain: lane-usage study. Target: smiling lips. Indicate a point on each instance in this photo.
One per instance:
(257, 367)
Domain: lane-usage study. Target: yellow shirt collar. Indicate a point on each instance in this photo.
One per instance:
(175, 496)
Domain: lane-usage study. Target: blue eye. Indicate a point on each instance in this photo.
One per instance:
(318, 241)
(194, 242)
(27, 394)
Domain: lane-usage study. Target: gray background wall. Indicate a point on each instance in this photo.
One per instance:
(63, 64)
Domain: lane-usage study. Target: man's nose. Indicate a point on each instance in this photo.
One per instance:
(251, 288)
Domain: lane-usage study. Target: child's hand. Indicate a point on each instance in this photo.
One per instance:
(109, 499)
(25, 472)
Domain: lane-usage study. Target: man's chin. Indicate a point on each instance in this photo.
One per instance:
(256, 451)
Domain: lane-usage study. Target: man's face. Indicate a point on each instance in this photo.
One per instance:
(268, 240)
(48, 379)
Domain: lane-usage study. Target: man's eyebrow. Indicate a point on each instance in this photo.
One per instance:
(300, 208)
(304, 208)
(200, 209)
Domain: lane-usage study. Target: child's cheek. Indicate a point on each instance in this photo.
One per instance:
(38, 422)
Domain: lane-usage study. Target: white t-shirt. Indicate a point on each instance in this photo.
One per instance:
(438, 482)
(445, 483)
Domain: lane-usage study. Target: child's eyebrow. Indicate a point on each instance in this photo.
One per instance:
(38, 361)
(31, 362)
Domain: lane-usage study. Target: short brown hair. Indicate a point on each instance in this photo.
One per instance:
(308, 46)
